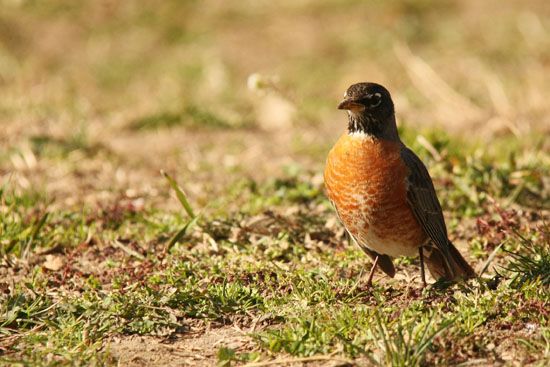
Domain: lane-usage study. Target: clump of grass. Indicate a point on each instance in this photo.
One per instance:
(228, 355)
(45, 145)
(190, 116)
(317, 330)
(182, 198)
(22, 310)
(358, 331)
(50, 331)
(20, 227)
(533, 262)
(157, 121)
(405, 341)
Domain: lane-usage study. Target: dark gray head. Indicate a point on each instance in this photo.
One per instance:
(370, 108)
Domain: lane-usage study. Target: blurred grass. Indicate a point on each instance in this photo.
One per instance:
(80, 56)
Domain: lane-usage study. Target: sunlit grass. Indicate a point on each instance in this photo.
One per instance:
(97, 98)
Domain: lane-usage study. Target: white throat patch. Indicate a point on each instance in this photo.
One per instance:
(360, 135)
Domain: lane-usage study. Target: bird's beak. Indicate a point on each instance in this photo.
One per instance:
(348, 104)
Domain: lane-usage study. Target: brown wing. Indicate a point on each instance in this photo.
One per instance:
(424, 203)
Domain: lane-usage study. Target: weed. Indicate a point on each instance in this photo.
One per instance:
(405, 344)
(533, 262)
(186, 206)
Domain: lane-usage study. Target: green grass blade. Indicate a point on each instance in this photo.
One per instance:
(180, 194)
(182, 232)
(426, 341)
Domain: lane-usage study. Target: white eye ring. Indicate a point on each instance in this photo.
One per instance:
(379, 96)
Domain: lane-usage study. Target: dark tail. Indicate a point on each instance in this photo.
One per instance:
(384, 261)
(455, 268)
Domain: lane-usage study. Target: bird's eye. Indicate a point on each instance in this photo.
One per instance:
(372, 100)
(375, 100)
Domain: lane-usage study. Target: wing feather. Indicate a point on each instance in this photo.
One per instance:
(423, 200)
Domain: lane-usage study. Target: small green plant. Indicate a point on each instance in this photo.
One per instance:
(532, 263)
(405, 342)
(226, 356)
(182, 198)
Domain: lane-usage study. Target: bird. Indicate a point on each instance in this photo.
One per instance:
(383, 193)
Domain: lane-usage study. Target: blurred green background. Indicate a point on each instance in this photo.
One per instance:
(97, 96)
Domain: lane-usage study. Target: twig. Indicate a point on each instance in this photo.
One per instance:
(128, 250)
(490, 259)
(429, 147)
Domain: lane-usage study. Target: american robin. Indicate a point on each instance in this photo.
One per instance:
(383, 193)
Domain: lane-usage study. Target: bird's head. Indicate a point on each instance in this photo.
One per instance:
(370, 108)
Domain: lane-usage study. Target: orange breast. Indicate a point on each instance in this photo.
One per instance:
(365, 179)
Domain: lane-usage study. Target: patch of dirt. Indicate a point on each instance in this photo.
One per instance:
(198, 349)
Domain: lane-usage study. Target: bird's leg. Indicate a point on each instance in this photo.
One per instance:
(371, 274)
(422, 273)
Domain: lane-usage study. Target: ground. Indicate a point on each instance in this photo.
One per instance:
(109, 109)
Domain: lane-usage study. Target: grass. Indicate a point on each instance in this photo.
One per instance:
(532, 263)
(191, 116)
(406, 345)
(255, 264)
(106, 261)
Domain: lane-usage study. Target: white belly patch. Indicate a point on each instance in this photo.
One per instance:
(385, 246)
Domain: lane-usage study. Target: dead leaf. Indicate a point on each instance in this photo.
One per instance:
(53, 262)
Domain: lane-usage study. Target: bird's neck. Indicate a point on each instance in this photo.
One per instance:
(368, 126)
